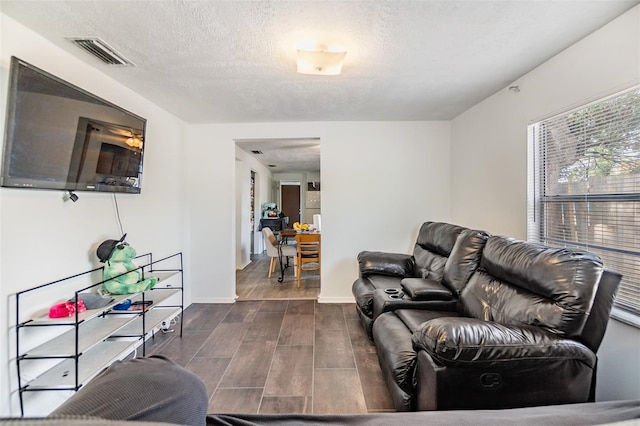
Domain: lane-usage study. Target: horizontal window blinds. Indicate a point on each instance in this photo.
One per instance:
(584, 188)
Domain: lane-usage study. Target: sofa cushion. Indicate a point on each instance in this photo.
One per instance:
(438, 237)
(424, 289)
(433, 245)
(428, 265)
(469, 341)
(523, 283)
(414, 318)
(464, 259)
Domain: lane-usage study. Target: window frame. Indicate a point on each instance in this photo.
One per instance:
(537, 199)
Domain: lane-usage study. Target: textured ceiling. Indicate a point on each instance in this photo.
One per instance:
(234, 61)
(285, 155)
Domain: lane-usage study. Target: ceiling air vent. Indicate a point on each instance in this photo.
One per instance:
(102, 51)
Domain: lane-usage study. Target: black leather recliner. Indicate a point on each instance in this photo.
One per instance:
(429, 294)
(379, 271)
(525, 332)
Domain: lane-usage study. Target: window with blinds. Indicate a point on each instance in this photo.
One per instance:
(584, 186)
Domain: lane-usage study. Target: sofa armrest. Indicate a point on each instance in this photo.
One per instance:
(425, 289)
(394, 264)
(384, 302)
(469, 341)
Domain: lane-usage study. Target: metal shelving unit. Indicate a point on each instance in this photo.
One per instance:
(96, 338)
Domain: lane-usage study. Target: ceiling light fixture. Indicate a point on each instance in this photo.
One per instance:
(320, 61)
(134, 142)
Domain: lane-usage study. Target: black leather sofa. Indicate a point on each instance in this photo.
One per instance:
(380, 271)
(524, 332)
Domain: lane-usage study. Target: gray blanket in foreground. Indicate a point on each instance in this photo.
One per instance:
(625, 413)
(573, 414)
(615, 412)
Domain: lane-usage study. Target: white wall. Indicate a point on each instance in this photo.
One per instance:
(44, 238)
(489, 158)
(245, 164)
(242, 252)
(380, 181)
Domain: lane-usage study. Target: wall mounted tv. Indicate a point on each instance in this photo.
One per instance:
(58, 136)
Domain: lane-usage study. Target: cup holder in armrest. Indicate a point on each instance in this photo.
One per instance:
(392, 290)
(396, 296)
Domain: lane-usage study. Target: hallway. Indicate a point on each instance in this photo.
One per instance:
(253, 282)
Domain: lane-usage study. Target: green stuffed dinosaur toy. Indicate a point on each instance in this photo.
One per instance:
(121, 275)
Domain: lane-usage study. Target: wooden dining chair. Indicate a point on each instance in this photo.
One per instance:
(308, 253)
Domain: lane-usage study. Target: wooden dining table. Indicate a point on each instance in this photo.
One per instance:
(285, 234)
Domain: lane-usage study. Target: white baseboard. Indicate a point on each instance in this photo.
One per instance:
(213, 300)
(241, 267)
(232, 300)
(322, 299)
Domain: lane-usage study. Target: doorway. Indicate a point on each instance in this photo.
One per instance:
(290, 196)
(281, 172)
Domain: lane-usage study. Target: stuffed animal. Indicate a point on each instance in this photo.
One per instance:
(121, 275)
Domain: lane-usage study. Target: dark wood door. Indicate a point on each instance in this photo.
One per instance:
(291, 202)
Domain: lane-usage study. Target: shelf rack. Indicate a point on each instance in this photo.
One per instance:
(98, 336)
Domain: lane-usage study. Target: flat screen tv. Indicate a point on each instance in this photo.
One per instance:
(58, 136)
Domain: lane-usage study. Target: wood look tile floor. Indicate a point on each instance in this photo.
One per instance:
(253, 282)
(279, 356)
